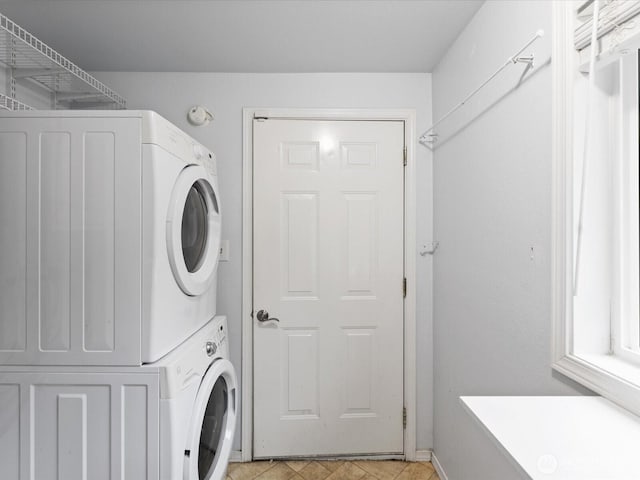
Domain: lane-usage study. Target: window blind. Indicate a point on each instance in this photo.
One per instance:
(615, 15)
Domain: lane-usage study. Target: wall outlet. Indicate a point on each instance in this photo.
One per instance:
(224, 251)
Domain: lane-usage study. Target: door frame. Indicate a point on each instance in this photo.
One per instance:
(408, 116)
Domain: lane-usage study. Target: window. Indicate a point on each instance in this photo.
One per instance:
(596, 208)
(626, 327)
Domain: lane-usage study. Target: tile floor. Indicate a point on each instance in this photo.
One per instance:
(332, 470)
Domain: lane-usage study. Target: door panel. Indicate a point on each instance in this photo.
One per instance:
(328, 264)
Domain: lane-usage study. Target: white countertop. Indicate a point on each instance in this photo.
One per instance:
(563, 438)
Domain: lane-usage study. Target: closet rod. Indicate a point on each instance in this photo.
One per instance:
(429, 137)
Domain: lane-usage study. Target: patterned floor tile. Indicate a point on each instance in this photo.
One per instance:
(331, 465)
(417, 471)
(382, 470)
(249, 470)
(314, 471)
(280, 471)
(348, 471)
(297, 465)
(331, 470)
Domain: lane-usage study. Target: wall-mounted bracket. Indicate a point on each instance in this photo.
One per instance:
(428, 139)
(429, 249)
(528, 59)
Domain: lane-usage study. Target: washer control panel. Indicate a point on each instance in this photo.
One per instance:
(217, 339)
(188, 363)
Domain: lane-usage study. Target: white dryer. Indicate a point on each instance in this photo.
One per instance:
(180, 236)
(111, 237)
(171, 420)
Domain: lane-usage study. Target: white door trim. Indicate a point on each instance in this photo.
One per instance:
(410, 374)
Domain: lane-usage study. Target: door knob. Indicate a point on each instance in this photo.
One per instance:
(263, 316)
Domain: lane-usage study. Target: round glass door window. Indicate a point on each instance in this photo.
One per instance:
(193, 230)
(213, 428)
(213, 423)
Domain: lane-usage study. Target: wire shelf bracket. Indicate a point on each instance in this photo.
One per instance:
(430, 137)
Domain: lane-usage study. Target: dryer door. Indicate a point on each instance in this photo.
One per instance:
(193, 230)
(212, 424)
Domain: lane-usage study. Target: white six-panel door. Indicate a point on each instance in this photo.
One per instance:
(328, 264)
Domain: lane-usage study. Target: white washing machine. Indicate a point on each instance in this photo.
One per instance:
(111, 237)
(172, 420)
(198, 400)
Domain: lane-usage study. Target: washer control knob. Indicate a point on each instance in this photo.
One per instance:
(211, 348)
(198, 152)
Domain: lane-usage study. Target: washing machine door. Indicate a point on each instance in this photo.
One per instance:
(193, 230)
(212, 424)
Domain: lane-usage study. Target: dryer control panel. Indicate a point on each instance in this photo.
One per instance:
(159, 131)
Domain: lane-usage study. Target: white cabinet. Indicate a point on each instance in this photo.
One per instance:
(70, 241)
(71, 426)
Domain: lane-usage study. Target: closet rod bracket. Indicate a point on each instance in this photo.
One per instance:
(429, 138)
(528, 59)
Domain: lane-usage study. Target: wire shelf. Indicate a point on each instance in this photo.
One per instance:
(29, 59)
(8, 103)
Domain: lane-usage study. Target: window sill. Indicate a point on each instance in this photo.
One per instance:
(611, 377)
(615, 366)
(568, 438)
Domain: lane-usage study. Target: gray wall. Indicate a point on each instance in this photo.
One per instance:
(492, 205)
(171, 94)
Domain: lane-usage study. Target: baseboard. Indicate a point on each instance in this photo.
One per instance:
(438, 467)
(423, 455)
(236, 456)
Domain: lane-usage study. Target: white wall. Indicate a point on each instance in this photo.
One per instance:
(171, 94)
(492, 204)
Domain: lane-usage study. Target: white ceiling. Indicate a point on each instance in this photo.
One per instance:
(247, 35)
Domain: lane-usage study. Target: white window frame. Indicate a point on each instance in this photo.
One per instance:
(625, 329)
(612, 376)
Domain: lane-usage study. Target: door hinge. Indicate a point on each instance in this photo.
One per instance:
(404, 156)
(404, 417)
(404, 287)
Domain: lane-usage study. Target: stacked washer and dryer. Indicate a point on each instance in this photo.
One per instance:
(113, 364)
